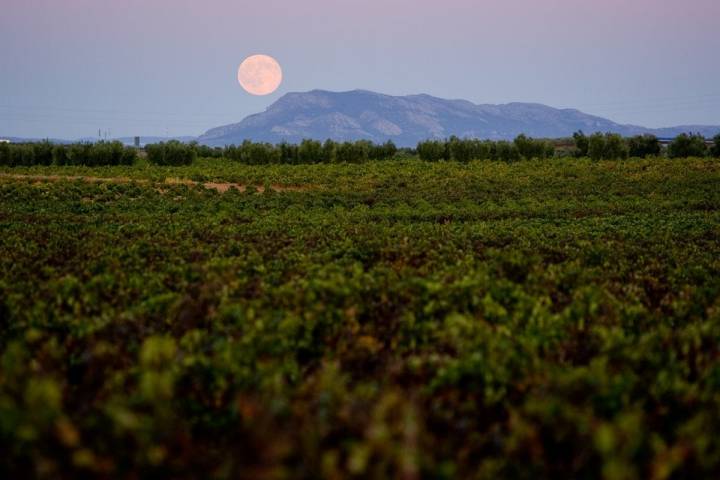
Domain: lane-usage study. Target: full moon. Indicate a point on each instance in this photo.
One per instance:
(260, 74)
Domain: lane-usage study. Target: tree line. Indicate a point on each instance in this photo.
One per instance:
(611, 146)
(310, 151)
(596, 146)
(465, 150)
(47, 153)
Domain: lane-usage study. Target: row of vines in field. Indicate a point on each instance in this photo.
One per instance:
(548, 319)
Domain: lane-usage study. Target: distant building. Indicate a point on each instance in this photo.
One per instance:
(137, 142)
(2, 140)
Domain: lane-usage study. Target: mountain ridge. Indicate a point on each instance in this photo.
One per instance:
(406, 120)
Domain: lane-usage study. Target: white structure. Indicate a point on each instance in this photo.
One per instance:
(2, 140)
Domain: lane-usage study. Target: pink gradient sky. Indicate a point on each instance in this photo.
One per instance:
(155, 66)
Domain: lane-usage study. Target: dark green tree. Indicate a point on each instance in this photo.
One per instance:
(170, 153)
(431, 150)
(310, 151)
(609, 146)
(582, 143)
(687, 145)
(530, 148)
(329, 151)
(715, 150)
(644, 146)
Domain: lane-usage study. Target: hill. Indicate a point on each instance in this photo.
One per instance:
(361, 114)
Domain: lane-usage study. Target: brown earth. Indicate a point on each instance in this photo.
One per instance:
(221, 187)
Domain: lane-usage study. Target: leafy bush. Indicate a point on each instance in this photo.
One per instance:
(170, 153)
(204, 151)
(504, 151)
(530, 148)
(432, 150)
(687, 145)
(17, 155)
(715, 150)
(642, 146)
(382, 151)
(582, 144)
(352, 152)
(43, 153)
(88, 154)
(465, 150)
(609, 146)
(310, 151)
(401, 319)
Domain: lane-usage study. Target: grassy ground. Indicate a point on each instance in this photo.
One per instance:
(414, 320)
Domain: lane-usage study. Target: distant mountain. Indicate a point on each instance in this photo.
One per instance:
(125, 140)
(34, 140)
(147, 140)
(361, 114)
(143, 140)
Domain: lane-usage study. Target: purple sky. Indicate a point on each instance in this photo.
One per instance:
(71, 67)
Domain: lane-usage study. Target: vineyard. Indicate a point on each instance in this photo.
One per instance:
(554, 318)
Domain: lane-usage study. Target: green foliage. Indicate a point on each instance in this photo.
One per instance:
(352, 152)
(42, 153)
(553, 318)
(609, 146)
(383, 151)
(432, 150)
(687, 145)
(715, 150)
(466, 150)
(204, 151)
(529, 148)
(642, 146)
(87, 154)
(309, 152)
(582, 144)
(170, 153)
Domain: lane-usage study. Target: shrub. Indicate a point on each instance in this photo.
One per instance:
(687, 145)
(615, 147)
(582, 144)
(110, 153)
(644, 146)
(170, 153)
(21, 155)
(530, 148)
(4, 154)
(432, 150)
(382, 151)
(289, 153)
(310, 151)
(329, 151)
(204, 151)
(459, 150)
(353, 152)
(78, 153)
(60, 155)
(505, 151)
(609, 146)
(715, 150)
(43, 153)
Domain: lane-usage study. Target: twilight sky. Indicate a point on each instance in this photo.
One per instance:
(151, 67)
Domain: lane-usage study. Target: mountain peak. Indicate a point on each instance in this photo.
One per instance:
(406, 120)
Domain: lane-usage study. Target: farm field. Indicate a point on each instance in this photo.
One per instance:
(393, 319)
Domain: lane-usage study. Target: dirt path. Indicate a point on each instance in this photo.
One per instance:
(221, 187)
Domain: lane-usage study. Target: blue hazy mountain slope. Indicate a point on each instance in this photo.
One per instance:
(361, 114)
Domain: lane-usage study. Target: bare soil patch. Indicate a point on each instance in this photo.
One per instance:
(221, 187)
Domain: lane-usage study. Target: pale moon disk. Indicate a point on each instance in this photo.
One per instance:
(260, 74)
